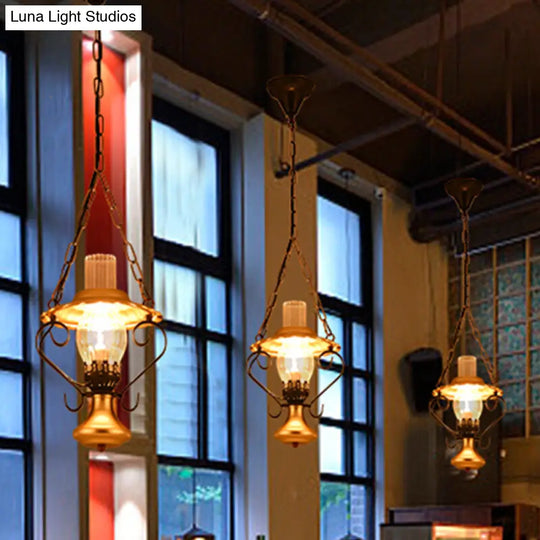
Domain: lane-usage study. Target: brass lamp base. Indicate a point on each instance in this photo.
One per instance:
(468, 458)
(290, 91)
(295, 431)
(102, 429)
(464, 191)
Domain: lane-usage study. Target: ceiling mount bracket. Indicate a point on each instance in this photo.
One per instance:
(464, 191)
(290, 91)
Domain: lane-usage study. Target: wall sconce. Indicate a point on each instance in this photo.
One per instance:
(295, 349)
(101, 315)
(467, 393)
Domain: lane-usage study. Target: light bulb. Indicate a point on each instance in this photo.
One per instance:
(100, 338)
(295, 362)
(467, 407)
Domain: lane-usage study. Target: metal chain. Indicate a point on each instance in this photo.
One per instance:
(466, 315)
(99, 122)
(292, 244)
(98, 178)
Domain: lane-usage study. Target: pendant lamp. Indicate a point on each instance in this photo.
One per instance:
(295, 350)
(195, 532)
(101, 315)
(466, 393)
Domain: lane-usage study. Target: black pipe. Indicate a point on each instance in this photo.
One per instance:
(351, 144)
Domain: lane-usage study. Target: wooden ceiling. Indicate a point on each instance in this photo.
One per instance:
(487, 70)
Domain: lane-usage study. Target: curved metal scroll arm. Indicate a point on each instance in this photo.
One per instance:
(129, 408)
(438, 404)
(78, 407)
(255, 357)
(491, 404)
(143, 343)
(46, 330)
(332, 355)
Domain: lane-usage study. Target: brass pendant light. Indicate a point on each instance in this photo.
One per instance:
(295, 349)
(467, 393)
(195, 532)
(101, 315)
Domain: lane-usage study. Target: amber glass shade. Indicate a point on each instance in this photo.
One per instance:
(113, 304)
(102, 429)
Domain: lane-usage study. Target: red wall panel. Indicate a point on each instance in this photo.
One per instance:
(101, 491)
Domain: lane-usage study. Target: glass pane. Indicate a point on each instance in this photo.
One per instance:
(338, 248)
(511, 367)
(177, 396)
(483, 315)
(535, 304)
(360, 454)
(360, 351)
(481, 287)
(175, 290)
(11, 315)
(360, 399)
(535, 394)
(10, 252)
(216, 305)
(184, 179)
(535, 271)
(511, 280)
(12, 500)
(512, 310)
(334, 510)
(359, 514)
(331, 449)
(218, 429)
(4, 148)
(179, 508)
(514, 396)
(535, 363)
(332, 399)
(511, 339)
(343, 510)
(11, 418)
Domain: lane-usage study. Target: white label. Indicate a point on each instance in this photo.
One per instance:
(74, 17)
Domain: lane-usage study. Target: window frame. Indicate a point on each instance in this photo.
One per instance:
(350, 314)
(13, 201)
(205, 265)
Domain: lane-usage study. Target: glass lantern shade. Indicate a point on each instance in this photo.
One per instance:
(101, 339)
(467, 391)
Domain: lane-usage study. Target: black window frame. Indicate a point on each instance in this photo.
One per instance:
(362, 314)
(13, 201)
(205, 265)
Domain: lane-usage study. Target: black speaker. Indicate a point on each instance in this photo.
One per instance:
(422, 371)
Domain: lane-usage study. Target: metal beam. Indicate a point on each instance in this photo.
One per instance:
(365, 78)
(351, 144)
(432, 232)
(373, 63)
